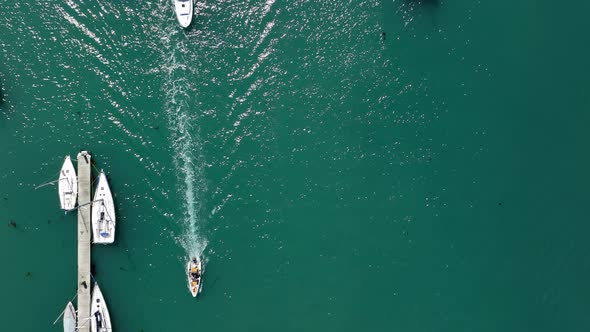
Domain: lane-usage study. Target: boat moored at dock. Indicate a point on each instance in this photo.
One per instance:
(70, 318)
(67, 185)
(103, 213)
(100, 320)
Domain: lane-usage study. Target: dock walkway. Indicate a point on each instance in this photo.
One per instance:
(84, 229)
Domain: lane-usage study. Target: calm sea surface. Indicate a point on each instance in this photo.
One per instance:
(341, 165)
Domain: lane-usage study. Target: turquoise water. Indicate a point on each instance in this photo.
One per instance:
(341, 165)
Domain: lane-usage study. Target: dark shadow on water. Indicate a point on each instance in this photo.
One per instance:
(429, 3)
(4, 105)
(2, 84)
(193, 29)
(7, 107)
(422, 10)
(2, 100)
(207, 287)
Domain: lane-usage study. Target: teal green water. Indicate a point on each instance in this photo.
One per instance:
(434, 178)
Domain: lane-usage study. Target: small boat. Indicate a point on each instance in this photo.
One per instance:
(184, 12)
(100, 321)
(103, 213)
(70, 318)
(194, 274)
(68, 185)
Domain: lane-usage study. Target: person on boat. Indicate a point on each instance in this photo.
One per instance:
(98, 317)
(195, 275)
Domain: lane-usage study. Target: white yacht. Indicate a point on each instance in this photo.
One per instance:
(103, 213)
(68, 185)
(184, 12)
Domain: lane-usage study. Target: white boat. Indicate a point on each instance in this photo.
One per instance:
(68, 185)
(70, 318)
(103, 213)
(194, 275)
(184, 12)
(100, 320)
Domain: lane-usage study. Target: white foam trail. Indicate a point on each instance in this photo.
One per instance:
(186, 144)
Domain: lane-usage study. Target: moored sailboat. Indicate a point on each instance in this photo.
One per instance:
(100, 320)
(67, 185)
(103, 213)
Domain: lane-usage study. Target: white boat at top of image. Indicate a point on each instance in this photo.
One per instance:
(70, 318)
(103, 213)
(194, 274)
(184, 12)
(100, 320)
(68, 185)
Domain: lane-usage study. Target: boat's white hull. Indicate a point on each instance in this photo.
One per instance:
(100, 320)
(194, 285)
(184, 12)
(103, 213)
(70, 318)
(67, 185)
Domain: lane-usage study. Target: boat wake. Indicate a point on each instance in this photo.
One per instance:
(177, 70)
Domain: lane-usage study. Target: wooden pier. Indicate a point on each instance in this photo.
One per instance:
(84, 229)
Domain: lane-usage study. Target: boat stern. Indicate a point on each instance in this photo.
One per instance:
(184, 12)
(103, 237)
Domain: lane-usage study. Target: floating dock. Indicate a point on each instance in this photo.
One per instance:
(84, 228)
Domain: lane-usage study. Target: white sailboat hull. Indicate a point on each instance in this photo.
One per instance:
(100, 320)
(103, 213)
(184, 12)
(67, 185)
(70, 318)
